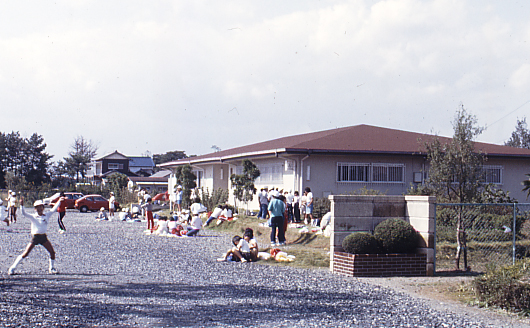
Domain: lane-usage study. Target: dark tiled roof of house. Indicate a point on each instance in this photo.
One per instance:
(141, 162)
(354, 139)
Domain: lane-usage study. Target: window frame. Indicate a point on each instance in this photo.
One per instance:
(367, 172)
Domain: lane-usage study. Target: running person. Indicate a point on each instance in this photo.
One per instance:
(62, 211)
(39, 226)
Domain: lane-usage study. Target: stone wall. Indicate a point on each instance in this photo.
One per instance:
(364, 213)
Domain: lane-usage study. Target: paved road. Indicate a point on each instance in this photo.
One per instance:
(112, 275)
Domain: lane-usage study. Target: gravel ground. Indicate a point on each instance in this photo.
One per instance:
(112, 275)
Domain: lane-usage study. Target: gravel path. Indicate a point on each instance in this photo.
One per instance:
(112, 275)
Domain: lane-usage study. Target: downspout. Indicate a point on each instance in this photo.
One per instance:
(301, 176)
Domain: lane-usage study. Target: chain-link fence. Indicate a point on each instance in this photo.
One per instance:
(490, 234)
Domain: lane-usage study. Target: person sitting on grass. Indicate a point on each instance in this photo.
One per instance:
(102, 215)
(248, 235)
(215, 215)
(196, 223)
(240, 251)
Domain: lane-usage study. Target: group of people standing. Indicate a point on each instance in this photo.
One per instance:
(282, 208)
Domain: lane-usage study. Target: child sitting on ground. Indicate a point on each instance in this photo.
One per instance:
(241, 251)
(172, 224)
(102, 215)
(252, 243)
(162, 226)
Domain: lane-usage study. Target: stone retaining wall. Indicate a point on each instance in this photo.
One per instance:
(364, 213)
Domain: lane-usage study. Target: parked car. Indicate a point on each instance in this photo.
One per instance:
(71, 197)
(93, 203)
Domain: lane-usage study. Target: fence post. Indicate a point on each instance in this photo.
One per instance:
(435, 237)
(514, 231)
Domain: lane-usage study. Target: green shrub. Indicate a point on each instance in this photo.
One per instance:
(396, 236)
(360, 243)
(211, 200)
(505, 287)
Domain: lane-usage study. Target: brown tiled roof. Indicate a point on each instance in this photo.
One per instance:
(353, 139)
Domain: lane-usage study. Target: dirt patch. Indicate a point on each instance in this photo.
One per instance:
(449, 292)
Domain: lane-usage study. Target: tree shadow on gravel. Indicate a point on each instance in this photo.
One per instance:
(100, 302)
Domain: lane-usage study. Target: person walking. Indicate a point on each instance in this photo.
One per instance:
(276, 211)
(39, 227)
(61, 210)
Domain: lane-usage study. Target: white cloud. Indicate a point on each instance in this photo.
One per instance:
(179, 68)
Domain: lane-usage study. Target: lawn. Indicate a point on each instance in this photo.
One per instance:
(310, 249)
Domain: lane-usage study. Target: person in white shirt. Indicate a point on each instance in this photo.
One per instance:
(39, 227)
(215, 215)
(112, 199)
(289, 198)
(196, 223)
(162, 227)
(309, 205)
(3, 215)
(241, 251)
(12, 206)
(227, 213)
(296, 207)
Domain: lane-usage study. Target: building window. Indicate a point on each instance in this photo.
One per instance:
(353, 172)
(115, 166)
(492, 174)
(270, 174)
(388, 173)
(364, 172)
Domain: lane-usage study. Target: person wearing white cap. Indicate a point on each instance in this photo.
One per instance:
(39, 227)
(12, 207)
(112, 199)
(178, 199)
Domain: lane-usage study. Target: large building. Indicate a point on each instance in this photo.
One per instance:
(342, 160)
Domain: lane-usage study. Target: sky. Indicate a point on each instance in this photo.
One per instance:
(146, 77)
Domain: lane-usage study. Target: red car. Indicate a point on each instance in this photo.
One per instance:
(93, 203)
(70, 198)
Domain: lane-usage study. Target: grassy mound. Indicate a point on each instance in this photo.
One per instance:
(311, 250)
